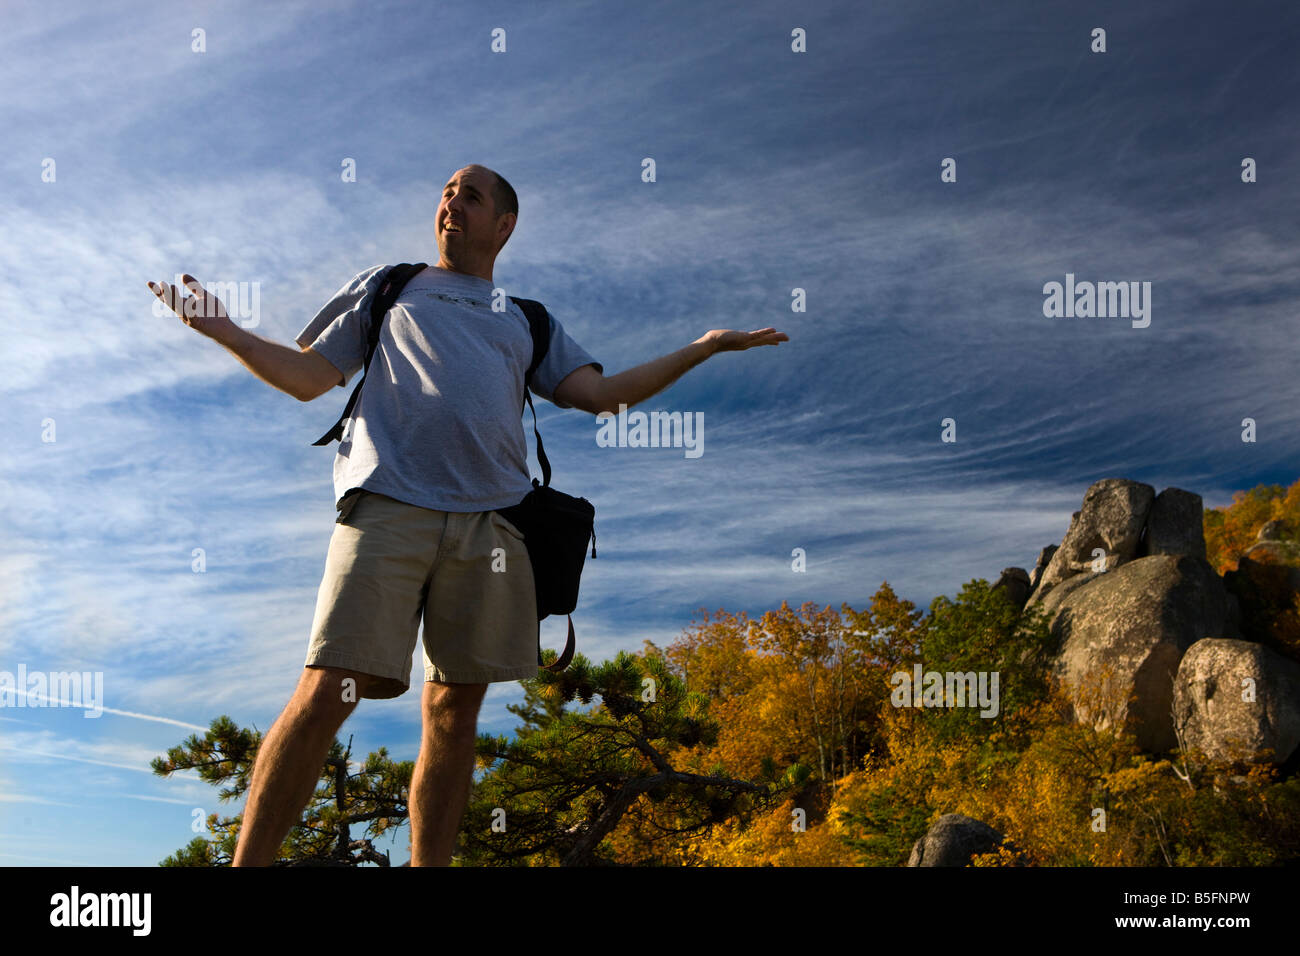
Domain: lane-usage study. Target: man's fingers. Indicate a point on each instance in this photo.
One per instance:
(172, 296)
(166, 293)
(198, 302)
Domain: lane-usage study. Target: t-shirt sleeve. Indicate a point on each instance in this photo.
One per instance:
(341, 329)
(562, 357)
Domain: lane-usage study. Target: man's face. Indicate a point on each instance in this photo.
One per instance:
(467, 223)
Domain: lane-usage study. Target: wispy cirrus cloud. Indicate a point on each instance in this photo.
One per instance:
(775, 172)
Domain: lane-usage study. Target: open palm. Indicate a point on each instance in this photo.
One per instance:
(729, 340)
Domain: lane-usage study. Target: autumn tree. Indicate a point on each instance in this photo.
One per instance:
(886, 805)
(798, 687)
(983, 632)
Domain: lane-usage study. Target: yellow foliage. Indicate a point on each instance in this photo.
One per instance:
(1230, 531)
(772, 840)
(798, 687)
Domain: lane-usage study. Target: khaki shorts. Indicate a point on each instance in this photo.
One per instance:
(390, 563)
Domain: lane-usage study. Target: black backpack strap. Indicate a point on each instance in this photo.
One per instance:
(566, 655)
(389, 289)
(539, 323)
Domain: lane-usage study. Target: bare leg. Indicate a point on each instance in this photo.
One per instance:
(289, 762)
(441, 780)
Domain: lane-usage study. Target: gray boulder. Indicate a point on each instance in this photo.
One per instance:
(1122, 634)
(1214, 717)
(1113, 515)
(1274, 551)
(1271, 531)
(953, 840)
(1176, 524)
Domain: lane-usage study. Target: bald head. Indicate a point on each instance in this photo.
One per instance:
(475, 219)
(503, 194)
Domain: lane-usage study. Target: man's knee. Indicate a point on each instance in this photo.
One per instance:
(332, 689)
(452, 705)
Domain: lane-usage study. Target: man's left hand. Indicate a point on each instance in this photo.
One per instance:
(729, 340)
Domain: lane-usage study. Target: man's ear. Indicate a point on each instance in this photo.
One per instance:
(511, 219)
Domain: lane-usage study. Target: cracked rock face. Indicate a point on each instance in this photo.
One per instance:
(1238, 701)
(1112, 519)
(1123, 634)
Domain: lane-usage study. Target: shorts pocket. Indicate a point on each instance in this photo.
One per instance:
(350, 499)
(502, 522)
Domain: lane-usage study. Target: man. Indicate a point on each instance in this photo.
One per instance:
(437, 444)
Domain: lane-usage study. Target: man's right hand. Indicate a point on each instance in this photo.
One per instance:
(201, 311)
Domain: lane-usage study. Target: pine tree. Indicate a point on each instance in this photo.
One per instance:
(554, 794)
(374, 795)
(564, 783)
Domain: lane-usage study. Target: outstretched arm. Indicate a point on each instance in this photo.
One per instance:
(593, 392)
(304, 375)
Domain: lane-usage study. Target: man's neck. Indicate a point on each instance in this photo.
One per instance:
(440, 264)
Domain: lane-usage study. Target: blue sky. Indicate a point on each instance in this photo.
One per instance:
(776, 170)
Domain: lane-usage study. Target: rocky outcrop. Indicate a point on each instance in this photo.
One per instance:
(1154, 626)
(953, 840)
(1237, 701)
(1122, 635)
(1112, 519)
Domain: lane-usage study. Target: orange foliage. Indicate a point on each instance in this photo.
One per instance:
(1230, 531)
(775, 839)
(808, 690)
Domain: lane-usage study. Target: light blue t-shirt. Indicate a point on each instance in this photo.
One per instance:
(439, 420)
